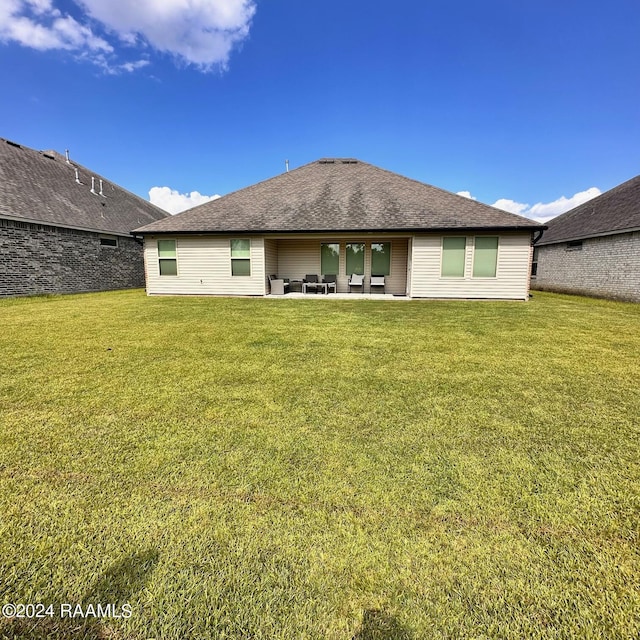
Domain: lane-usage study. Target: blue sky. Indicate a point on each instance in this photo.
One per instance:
(522, 103)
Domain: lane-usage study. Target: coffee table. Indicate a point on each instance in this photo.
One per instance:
(316, 285)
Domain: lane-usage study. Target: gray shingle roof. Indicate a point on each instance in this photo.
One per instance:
(338, 195)
(41, 187)
(615, 210)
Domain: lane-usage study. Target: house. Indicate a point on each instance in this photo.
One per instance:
(340, 217)
(64, 228)
(594, 249)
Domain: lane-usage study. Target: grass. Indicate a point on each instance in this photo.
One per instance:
(237, 468)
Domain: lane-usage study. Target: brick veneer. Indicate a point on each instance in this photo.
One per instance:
(607, 266)
(37, 259)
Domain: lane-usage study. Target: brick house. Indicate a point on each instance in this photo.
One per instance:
(64, 228)
(594, 249)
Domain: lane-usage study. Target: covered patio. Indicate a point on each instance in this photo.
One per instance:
(294, 259)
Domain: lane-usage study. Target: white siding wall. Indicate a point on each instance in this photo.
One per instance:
(397, 281)
(204, 267)
(409, 265)
(299, 257)
(512, 275)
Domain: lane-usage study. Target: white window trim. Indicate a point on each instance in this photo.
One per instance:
(176, 258)
(466, 249)
(535, 254)
(339, 261)
(390, 256)
(104, 236)
(364, 256)
(232, 258)
(469, 253)
(473, 257)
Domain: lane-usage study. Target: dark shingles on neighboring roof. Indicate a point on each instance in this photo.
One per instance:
(614, 211)
(41, 187)
(338, 194)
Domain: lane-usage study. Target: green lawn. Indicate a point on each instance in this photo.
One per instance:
(239, 468)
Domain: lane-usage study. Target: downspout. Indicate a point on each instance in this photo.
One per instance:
(536, 238)
(138, 239)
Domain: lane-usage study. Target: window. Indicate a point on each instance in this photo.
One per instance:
(109, 241)
(329, 258)
(380, 258)
(485, 257)
(167, 258)
(574, 245)
(453, 253)
(355, 258)
(241, 257)
(534, 263)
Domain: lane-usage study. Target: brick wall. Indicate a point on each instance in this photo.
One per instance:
(608, 267)
(38, 258)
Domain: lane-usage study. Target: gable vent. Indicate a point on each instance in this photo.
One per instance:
(337, 161)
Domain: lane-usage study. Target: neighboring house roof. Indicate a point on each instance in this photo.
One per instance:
(41, 187)
(615, 211)
(339, 195)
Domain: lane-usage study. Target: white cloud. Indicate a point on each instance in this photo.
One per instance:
(132, 66)
(542, 212)
(42, 6)
(201, 32)
(36, 24)
(174, 202)
(114, 69)
(511, 206)
(550, 210)
(198, 32)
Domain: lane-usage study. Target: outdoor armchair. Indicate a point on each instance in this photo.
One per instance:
(332, 282)
(377, 282)
(356, 280)
(279, 286)
(310, 281)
